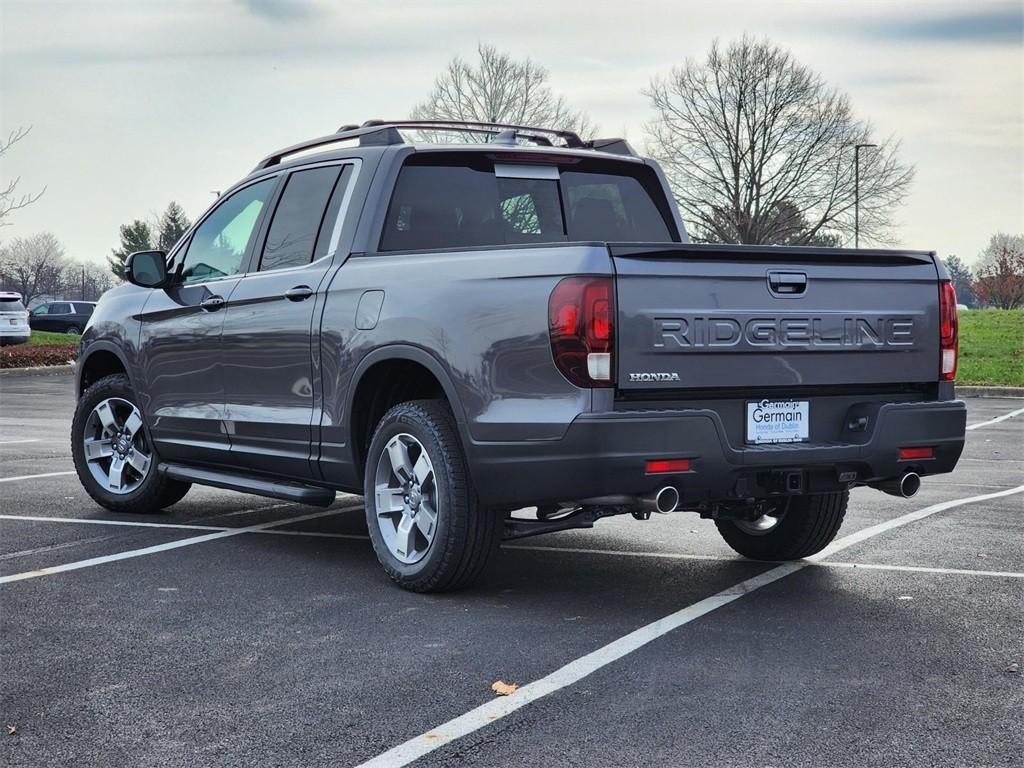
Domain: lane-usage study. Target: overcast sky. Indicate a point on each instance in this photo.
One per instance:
(133, 104)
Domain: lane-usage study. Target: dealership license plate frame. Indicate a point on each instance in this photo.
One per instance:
(796, 431)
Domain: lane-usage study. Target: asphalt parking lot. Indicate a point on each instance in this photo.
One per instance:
(240, 631)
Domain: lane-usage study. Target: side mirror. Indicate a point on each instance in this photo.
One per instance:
(146, 268)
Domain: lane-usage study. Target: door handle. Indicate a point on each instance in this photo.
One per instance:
(788, 283)
(298, 293)
(212, 303)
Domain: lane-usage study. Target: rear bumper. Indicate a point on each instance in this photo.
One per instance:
(604, 454)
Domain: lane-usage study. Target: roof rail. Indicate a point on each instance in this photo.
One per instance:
(386, 132)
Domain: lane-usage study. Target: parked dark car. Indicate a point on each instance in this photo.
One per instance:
(459, 331)
(62, 316)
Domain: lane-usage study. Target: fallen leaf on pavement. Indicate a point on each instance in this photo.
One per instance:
(12, 729)
(502, 688)
(1014, 668)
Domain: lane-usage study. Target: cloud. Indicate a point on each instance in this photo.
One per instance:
(996, 25)
(282, 10)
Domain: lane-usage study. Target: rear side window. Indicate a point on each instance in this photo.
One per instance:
(292, 238)
(11, 305)
(84, 309)
(462, 206)
(60, 308)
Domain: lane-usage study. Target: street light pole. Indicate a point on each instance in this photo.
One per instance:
(856, 192)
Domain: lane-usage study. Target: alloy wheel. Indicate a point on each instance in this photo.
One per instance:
(407, 502)
(115, 447)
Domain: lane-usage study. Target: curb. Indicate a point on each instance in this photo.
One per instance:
(40, 370)
(972, 391)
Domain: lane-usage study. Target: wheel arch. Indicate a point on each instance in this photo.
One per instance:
(102, 358)
(415, 364)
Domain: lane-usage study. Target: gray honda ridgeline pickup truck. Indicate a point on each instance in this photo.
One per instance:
(507, 336)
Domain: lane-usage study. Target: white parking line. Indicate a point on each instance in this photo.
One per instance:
(520, 547)
(126, 523)
(924, 569)
(33, 477)
(18, 442)
(500, 707)
(166, 546)
(996, 420)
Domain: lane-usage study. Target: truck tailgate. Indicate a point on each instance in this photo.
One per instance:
(719, 317)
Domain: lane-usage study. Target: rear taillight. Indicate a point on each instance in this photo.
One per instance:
(947, 331)
(581, 325)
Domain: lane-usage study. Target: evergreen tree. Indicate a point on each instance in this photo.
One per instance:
(173, 224)
(962, 279)
(134, 237)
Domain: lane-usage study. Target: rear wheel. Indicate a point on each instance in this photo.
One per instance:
(73, 329)
(428, 529)
(113, 457)
(798, 527)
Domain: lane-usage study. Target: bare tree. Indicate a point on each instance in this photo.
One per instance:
(1000, 272)
(86, 280)
(759, 149)
(499, 89)
(34, 266)
(10, 199)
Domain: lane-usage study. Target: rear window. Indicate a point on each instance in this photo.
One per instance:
(462, 206)
(11, 304)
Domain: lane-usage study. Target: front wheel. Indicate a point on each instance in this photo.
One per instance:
(113, 457)
(798, 527)
(428, 529)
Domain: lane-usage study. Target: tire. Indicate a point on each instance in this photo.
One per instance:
(73, 329)
(808, 525)
(464, 535)
(143, 493)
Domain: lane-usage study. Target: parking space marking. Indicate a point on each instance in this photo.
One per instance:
(168, 545)
(33, 477)
(924, 569)
(126, 523)
(18, 442)
(576, 670)
(996, 420)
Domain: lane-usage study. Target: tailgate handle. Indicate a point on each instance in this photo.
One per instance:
(787, 283)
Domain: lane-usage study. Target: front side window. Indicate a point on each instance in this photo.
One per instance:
(298, 218)
(220, 243)
(42, 309)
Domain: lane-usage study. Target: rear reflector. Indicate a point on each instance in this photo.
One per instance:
(909, 454)
(666, 466)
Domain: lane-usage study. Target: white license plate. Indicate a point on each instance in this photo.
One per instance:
(13, 321)
(778, 421)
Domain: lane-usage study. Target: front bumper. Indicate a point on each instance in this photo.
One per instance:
(604, 454)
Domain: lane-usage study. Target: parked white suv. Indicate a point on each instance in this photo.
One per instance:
(13, 319)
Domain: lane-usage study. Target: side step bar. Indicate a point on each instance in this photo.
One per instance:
(275, 489)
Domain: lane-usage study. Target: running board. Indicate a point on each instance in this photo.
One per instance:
(275, 489)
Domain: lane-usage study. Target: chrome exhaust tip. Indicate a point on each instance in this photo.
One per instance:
(910, 484)
(666, 500)
(905, 487)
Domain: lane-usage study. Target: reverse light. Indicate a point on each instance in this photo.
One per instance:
(910, 454)
(667, 466)
(581, 326)
(948, 333)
